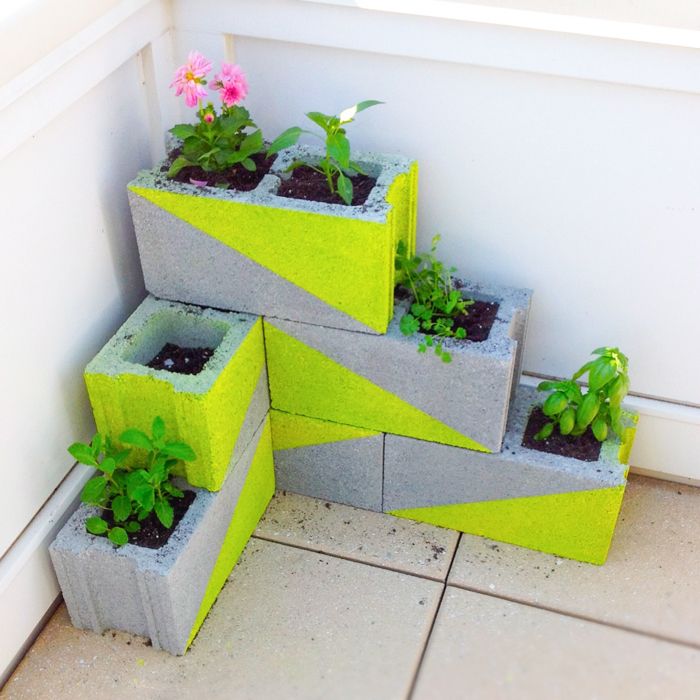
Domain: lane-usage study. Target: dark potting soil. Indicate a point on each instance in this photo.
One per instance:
(584, 447)
(235, 178)
(478, 320)
(306, 183)
(152, 533)
(173, 358)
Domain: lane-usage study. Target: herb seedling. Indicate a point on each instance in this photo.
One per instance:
(131, 494)
(336, 165)
(436, 303)
(218, 141)
(600, 407)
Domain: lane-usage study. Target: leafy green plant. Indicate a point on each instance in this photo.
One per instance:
(218, 142)
(436, 303)
(336, 165)
(131, 494)
(600, 407)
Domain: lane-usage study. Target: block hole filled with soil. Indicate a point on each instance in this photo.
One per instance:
(584, 447)
(177, 342)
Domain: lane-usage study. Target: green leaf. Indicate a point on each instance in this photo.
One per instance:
(170, 488)
(602, 372)
(82, 453)
(545, 431)
(354, 165)
(555, 404)
(252, 143)
(338, 148)
(144, 495)
(409, 325)
(567, 421)
(179, 450)
(134, 480)
(164, 512)
(96, 525)
(348, 114)
(618, 390)
(182, 131)
(587, 411)
(132, 526)
(323, 120)
(121, 508)
(118, 536)
(285, 140)
(599, 428)
(249, 164)
(120, 456)
(137, 438)
(94, 490)
(547, 386)
(345, 188)
(108, 465)
(177, 165)
(158, 429)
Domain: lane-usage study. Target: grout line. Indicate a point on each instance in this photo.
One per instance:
(419, 665)
(578, 616)
(351, 559)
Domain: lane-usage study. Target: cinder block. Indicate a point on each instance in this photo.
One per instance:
(165, 593)
(382, 383)
(334, 462)
(215, 411)
(260, 253)
(535, 499)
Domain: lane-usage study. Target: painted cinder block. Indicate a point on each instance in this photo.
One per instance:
(264, 254)
(382, 383)
(165, 593)
(535, 499)
(334, 462)
(215, 411)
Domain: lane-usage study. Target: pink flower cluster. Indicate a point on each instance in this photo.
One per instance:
(190, 81)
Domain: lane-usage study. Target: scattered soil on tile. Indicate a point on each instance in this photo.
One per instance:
(306, 183)
(152, 533)
(173, 358)
(235, 178)
(584, 447)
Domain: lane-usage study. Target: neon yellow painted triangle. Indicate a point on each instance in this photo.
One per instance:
(290, 430)
(306, 382)
(313, 251)
(577, 525)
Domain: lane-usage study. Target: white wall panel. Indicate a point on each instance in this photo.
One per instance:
(69, 275)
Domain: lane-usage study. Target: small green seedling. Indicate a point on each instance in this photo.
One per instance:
(436, 303)
(131, 494)
(336, 165)
(573, 411)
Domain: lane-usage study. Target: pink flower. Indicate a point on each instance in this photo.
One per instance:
(231, 84)
(189, 79)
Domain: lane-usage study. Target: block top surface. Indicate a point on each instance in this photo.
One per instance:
(157, 322)
(385, 168)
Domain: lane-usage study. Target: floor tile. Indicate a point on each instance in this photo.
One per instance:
(289, 624)
(484, 647)
(649, 583)
(361, 535)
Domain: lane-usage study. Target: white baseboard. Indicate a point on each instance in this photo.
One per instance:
(28, 586)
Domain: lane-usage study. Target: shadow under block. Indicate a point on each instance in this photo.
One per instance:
(330, 461)
(383, 384)
(165, 593)
(535, 499)
(276, 256)
(215, 411)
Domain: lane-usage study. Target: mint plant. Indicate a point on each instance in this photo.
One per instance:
(600, 407)
(436, 303)
(131, 494)
(336, 165)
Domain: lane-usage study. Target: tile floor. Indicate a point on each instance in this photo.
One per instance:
(331, 602)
